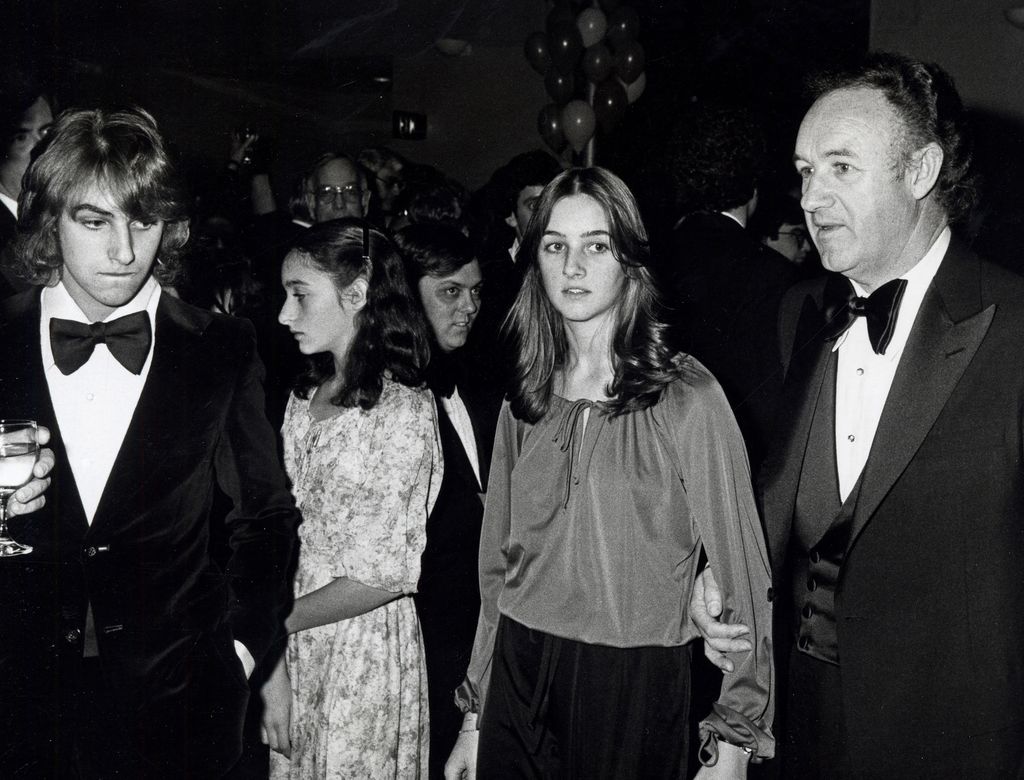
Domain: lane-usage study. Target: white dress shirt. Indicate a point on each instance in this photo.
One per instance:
(863, 378)
(94, 405)
(456, 410)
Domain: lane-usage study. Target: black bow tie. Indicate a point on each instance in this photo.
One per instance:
(127, 338)
(880, 309)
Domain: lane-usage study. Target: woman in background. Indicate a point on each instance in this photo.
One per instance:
(616, 460)
(361, 448)
(443, 272)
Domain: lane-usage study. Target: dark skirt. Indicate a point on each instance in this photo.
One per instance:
(557, 708)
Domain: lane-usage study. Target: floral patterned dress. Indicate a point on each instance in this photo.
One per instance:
(365, 482)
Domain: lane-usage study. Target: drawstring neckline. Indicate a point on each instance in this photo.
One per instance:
(564, 438)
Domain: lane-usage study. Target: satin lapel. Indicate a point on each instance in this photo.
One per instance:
(160, 420)
(26, 394)
(937, 354)
(800, 392)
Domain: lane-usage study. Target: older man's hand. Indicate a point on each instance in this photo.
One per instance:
(705, 610)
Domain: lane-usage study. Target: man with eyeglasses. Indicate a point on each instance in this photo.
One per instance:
(336, 188)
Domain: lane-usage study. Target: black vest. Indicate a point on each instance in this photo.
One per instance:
(821, 528)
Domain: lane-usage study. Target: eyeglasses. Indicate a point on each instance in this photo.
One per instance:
(328, 193)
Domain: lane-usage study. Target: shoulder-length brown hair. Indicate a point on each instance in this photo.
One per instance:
(391, 333)
(120, 151)
(643, 358)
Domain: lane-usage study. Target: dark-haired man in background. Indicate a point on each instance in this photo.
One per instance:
(724, 286)
(124, 649)
(894, 494)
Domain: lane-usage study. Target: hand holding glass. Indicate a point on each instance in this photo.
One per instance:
(19, 451)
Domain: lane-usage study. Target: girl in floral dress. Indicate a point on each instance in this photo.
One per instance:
(349, 699)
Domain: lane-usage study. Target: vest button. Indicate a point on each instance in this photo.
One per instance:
(804, 642)
(807, 611)
(812, 583)
(72, 636)
(771, 595)
(90, 552)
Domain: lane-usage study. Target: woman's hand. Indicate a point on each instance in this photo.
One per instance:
(461, 764)
(731, 765)
(277, 710)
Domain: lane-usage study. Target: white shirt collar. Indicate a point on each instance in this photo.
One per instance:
(919, 279)
(734, 218)
(10, 203)
(56, 301)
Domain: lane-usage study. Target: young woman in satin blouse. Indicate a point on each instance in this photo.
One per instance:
(616, 462)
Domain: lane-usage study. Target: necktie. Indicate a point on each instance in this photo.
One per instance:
(127, 338)
(880, 309)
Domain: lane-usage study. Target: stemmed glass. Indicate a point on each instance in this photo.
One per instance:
(19, 451)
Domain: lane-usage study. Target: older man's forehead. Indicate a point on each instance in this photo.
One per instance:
(338, 172)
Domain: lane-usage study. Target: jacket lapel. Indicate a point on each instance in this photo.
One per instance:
(800, 392)
(950, 327)
(159, 424)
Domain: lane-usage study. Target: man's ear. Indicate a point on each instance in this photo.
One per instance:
(923, 171)
(364, 199)
(353, 297)
(510, 220)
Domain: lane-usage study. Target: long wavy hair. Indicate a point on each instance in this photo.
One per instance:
(391, 334)
(643, 356)
(120, 151)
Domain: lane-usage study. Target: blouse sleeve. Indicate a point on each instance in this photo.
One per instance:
(402, 480)
(716, 477)
(494, 543)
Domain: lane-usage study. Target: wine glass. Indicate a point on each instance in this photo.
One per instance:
(19, 451)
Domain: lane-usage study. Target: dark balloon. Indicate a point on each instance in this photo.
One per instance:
(537, 52)
(565, 45)
(559, 85)
(597, 63)
(610, 103)
(578, 123)
(592, 24)
(629, 61)
(623, 25)
(549, 125)
(636, 89)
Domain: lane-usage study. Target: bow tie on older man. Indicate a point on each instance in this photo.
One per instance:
(128, 339)
(842, 306)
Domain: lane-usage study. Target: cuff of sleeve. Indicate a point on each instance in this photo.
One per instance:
(248, 662)
(466, 698)
(732, 727)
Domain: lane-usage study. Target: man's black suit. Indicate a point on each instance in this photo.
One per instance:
(164, 614)
(929, 601)
(724, 292)
(448, 597)
(9, 283)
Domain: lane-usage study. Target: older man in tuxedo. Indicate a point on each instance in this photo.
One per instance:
(894, 500)
(124, 650)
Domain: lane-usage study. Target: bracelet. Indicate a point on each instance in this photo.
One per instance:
(468, 731)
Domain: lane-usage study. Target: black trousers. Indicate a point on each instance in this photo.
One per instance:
(814, 741)
(557, 708)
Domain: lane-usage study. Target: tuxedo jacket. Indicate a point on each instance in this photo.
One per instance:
(165, 616)
(9, 283)
(930, 597)
(724, 290)
(448, 594)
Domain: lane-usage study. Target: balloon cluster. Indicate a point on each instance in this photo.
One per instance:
(598, 46)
